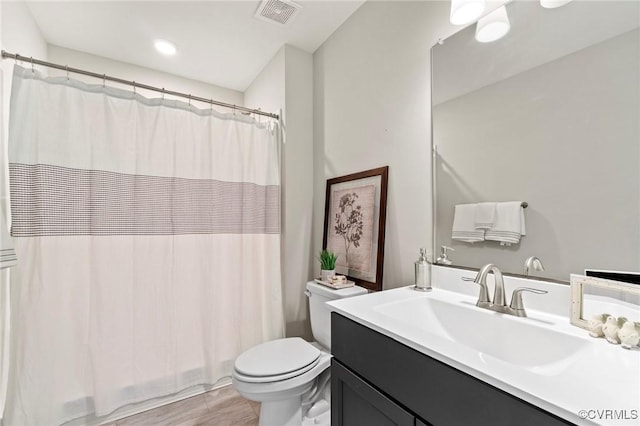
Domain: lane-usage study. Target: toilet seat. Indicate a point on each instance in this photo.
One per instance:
(276, 360)
(291, 377)
(276, 378)
(277, 390)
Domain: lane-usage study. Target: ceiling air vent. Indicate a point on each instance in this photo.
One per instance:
(277, 11)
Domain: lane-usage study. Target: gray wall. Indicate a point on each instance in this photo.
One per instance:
(286, 85)
(565, 137)
(372, 108)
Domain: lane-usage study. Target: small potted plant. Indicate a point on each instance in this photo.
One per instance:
(327, 265)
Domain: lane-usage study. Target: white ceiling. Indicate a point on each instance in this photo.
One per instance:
(218, 42)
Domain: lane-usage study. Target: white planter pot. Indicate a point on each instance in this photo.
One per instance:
(325, 275)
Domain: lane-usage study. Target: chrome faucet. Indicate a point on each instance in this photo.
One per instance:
(532, 263)
(499, 304)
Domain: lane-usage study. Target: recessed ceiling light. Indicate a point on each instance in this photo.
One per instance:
(165, 47)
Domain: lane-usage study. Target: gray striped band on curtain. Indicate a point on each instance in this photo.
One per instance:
(54, 200)
(7, 257)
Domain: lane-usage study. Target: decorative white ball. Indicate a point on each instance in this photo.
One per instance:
(610, 330)
(595, 325)
(629, 335)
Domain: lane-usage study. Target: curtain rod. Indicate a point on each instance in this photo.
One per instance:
(68, 69)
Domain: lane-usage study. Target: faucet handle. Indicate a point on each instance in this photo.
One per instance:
(516, 297)
(483, 297)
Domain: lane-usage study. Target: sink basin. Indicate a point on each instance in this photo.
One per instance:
(543, 359)
(520, 341)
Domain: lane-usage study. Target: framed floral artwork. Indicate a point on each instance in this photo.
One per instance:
(354, 223)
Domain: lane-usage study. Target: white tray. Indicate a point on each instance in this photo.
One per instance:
(335, 286)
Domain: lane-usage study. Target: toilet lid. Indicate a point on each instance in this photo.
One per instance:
(277, 357)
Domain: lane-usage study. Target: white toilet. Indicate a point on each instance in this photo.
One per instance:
(290, 377)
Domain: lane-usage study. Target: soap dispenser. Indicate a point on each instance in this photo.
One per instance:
(423, 272)
(444, 259)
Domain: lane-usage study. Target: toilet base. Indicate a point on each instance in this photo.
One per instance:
(319, 414)
(287, 412)
(287, 402)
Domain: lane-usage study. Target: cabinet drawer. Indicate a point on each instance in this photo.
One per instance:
(355, 403)
(429, 388)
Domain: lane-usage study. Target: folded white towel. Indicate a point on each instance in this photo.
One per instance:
(7, 252)
(464, 228)
(509, 223)
(485, 215)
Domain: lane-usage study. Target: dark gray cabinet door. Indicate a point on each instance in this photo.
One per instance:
(356, 403)
(428, 388)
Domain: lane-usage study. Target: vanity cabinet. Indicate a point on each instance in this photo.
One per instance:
(359, 403)
(375, 380)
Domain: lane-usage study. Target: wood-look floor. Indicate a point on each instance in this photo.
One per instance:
(219, 407)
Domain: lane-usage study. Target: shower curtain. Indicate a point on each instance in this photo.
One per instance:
(148, 233)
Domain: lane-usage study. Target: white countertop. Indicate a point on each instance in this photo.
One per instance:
(597, 378)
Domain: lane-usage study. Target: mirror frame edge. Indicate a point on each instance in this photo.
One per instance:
(432, 155)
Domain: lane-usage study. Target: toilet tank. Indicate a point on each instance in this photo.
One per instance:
(319, 312)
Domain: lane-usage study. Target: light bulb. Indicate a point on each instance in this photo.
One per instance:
(493, 26)
(552, 4)
(465, 11)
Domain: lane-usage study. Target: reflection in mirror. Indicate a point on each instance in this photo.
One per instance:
(548, 115)
(597, 300)
(599, 297)
(593, 297)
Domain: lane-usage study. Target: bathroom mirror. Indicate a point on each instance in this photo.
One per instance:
(548, 115)
(595, 296)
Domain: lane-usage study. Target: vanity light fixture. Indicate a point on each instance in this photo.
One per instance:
(165, 47)
(552, 4)
(465, 11)
(493, 26)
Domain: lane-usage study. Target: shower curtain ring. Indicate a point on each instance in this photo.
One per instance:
(66, 68)
(32, 70)
(189, 99)
(163, 93)
(211, 104)
(104, 80)
(134, 87)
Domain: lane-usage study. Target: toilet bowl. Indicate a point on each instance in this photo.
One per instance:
(290, 377)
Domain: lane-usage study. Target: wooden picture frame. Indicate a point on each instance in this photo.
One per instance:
(355, 214)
